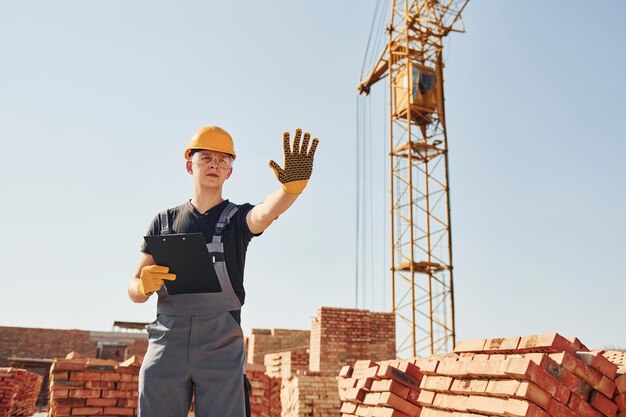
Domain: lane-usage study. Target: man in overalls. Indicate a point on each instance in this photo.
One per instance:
(196, 343)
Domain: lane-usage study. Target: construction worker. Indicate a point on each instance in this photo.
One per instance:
(196, 342)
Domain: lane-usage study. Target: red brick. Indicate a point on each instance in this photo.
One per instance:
(451, 402)
(390, 385)
(106, 376)
(126, 377)
(582, 407)
(371, 398)
(67, 365)
(486, 405)
(428, 366)
(346, 371)
(548, 342)
(555, 408)
(61, 376)
(108, 393)
(87, 411)
(387, 371)
(432, 412)
(84, 393)
(620, 383)
(473, 345)
(620, 401)
(385, 412)
(347, 383)
(502, 387)
(85, 376)
(348, 408)
(426, 397)
(101, 402)
(523, 408)
(61, 410)
(602, 404)
(100, 384)
(58, 393)
(599, 363)
(501, 345)
(392, 400)
(487, 368)
(436, 383)
(469, 386)
(127, 386)
(529, 391)
(119, 411)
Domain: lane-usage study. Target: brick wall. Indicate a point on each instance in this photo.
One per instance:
(34, 343)
(42, 343)
(340, 336)
(264, 341)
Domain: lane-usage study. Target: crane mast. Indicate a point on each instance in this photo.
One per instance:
(421, 240)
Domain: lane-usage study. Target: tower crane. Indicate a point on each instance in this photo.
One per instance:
(421, 239)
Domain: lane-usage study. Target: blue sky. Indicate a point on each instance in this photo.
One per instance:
(98, 100)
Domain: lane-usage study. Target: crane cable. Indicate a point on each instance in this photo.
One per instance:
(364, 173)
(376, 28)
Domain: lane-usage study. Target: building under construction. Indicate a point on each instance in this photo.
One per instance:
(355, 362)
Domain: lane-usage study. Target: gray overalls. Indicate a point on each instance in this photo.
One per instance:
(195, 346)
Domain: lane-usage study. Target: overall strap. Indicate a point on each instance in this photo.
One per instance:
(228, 212)
(216, 247)
(165, 222)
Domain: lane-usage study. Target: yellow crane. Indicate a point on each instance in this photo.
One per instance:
(421, 240)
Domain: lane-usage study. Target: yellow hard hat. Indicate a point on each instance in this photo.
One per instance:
(211, 138)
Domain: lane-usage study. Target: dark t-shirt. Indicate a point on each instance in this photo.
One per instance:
(236, 236)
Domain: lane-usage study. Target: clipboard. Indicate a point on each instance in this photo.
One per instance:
(187, 256)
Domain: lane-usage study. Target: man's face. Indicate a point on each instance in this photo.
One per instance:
(210, 168)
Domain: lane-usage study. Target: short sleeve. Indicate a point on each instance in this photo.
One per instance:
(247, 234)
(153, 230)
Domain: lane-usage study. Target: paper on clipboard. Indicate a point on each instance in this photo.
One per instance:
(187, 256)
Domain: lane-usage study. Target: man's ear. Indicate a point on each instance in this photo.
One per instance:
(189, 167)
(230, 171)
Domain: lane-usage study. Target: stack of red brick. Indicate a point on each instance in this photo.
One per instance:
(384, 389)
(341, 335)
(265, 394)
(309, 396)
(19, 389)
(264, 341)
(618, 358)
(533, 376)
(285, 364)
(87, 386)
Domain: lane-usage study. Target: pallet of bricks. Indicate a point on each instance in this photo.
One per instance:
(383, 389)
(618, 358)
(88, 386)
(286, 364)
(19, 390)
(308, 394)
(265, 393)
(533, 376)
